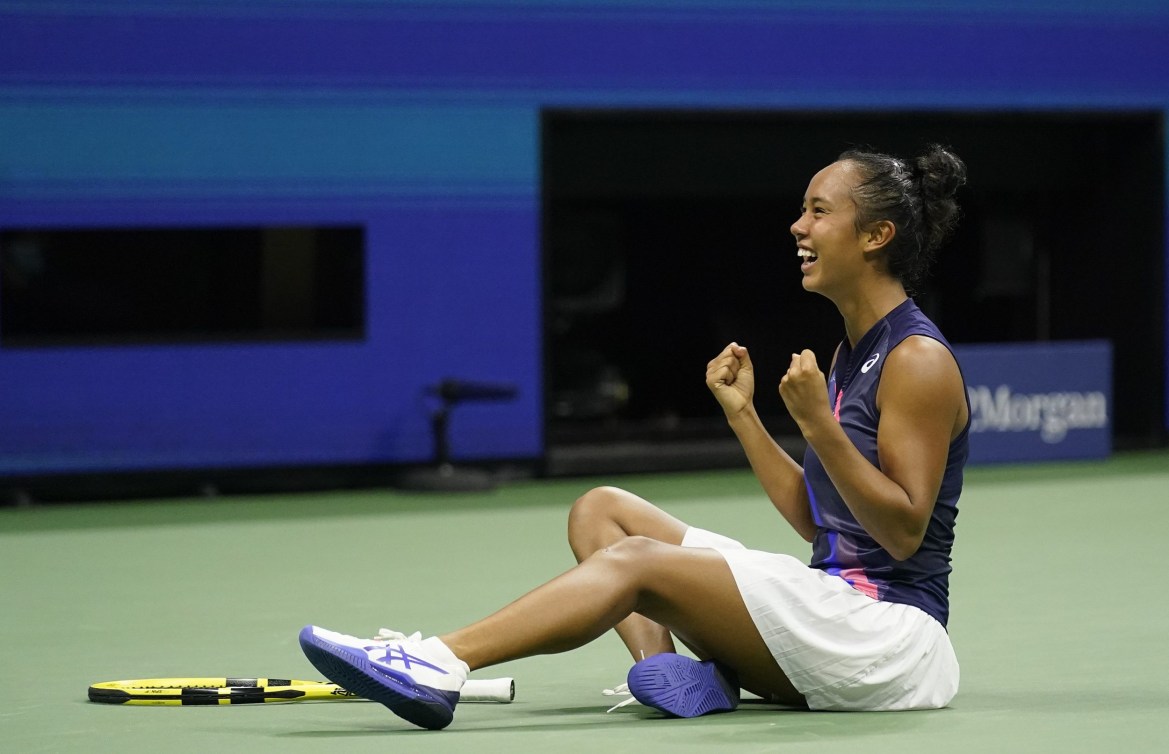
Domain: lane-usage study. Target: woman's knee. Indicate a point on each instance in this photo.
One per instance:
(604, 515)
(598, 504)
(592, 521)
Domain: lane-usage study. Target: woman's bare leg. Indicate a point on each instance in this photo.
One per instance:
(604, 516)
(690, 591)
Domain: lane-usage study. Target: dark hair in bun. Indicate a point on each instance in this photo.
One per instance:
(918, 199)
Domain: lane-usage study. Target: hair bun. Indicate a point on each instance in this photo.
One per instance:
(918, 197)
(940, 173)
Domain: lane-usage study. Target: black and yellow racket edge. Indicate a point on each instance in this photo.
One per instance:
(185, 692)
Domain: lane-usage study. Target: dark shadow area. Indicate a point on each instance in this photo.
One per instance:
(666, 236)
(119, 286)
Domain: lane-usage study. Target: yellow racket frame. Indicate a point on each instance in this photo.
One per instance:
(189, 692)
(185, 692)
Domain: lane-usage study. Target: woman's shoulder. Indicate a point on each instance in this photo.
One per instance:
(921, 374)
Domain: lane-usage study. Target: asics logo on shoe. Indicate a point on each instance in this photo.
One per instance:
(397, 654)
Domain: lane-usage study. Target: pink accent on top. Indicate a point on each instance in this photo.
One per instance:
(859, 581)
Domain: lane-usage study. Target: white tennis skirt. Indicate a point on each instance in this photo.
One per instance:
(841, 649)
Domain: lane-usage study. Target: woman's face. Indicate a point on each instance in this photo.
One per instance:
(826, 235)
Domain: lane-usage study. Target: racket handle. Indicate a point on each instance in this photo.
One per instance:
(500, 690)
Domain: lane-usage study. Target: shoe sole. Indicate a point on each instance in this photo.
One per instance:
(683, 687)
(350, 669)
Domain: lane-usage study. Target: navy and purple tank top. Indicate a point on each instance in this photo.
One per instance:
(841, 546)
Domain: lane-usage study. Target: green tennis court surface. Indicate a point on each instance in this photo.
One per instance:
(1059, 617)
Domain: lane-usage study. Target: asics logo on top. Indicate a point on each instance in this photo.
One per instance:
(869, 364)
(397, 654)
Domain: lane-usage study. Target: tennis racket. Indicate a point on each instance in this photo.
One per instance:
(183, 692)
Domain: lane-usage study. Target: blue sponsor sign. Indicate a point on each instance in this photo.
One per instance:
(1039, 401)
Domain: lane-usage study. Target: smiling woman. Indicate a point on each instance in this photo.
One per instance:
(862, 628)
(901, 215)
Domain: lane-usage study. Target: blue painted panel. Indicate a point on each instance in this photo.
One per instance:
(1039, 401)
(420, 122)
(151, 149)
(454, 291)
(413, 49)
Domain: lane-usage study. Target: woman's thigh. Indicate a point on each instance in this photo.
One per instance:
(692, 592)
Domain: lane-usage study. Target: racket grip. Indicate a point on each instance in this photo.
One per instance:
(501, 690)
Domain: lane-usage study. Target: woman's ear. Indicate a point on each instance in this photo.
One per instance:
(879, 234)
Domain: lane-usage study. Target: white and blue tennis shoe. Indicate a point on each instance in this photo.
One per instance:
(418, 679)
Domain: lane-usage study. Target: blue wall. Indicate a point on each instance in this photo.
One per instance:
(420, 121)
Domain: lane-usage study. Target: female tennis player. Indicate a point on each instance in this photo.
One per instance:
(863, 627)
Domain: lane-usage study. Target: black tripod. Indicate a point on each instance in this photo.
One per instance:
(444, 476)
